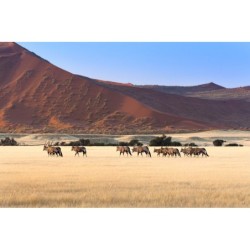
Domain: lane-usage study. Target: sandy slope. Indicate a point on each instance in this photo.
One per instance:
(38, 97)
(29, 178)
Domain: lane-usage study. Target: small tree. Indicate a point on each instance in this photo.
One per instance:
(218, 142)
(122, 143)
(84, 142)
(80, 142)
(176, 144)
(74, 143)
(135, 142)
(160, 141)
(163, 141)
(8, 142)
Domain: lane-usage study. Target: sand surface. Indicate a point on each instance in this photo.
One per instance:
(29, 178)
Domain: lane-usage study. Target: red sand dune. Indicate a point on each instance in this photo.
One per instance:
(36, 96)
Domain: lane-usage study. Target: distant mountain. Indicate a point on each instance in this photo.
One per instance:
(181, 90)
(36, 96)
(209, 91)
(242, 93)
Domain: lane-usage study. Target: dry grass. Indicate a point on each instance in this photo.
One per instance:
(28, 178)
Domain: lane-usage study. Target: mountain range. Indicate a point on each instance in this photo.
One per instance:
(37, 96)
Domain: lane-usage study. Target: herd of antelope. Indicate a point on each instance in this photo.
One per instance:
(173, 152)
(52, 150)
(186, 151)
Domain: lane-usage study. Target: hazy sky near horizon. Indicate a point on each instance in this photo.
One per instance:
(169, 63)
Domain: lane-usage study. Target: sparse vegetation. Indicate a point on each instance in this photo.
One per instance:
(135, 142)
(80, 142)
(164, 141)
(86, 142)
(122, 143)
(8, 142)
(234, 145)
(218, 142)
(192, 144)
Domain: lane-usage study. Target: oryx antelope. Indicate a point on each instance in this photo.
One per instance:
(123, 149)
(194, 151)
(141, 149)
(79, 149)
(51, 150)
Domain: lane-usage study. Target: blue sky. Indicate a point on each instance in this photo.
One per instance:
(180, 63)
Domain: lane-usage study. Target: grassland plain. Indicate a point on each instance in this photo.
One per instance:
(29, 178)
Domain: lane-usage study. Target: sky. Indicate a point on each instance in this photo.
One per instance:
(161, 63)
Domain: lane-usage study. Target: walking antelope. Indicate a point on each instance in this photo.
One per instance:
(51, 150)
(79, 149)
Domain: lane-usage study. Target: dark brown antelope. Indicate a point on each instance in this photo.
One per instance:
(170, 152)
(52, 150)
(123, 149)
(141, 149)
(186, 151)
(194, 151)
(199, 151)
(79, 149)
(158, 151)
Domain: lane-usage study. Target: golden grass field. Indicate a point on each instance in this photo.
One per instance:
(29, 178)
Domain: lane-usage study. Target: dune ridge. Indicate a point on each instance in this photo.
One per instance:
(38, 97)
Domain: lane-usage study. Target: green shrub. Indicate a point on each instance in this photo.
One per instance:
(234, 145)
(163, 141)
(192, 144)
(218, 142)
(176, 144)
(122, 143)
(80, 142)
(135, 142)
(8, 142)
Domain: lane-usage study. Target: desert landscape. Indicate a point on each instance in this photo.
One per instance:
(30, 178)
(39, 97)
(40, 102)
